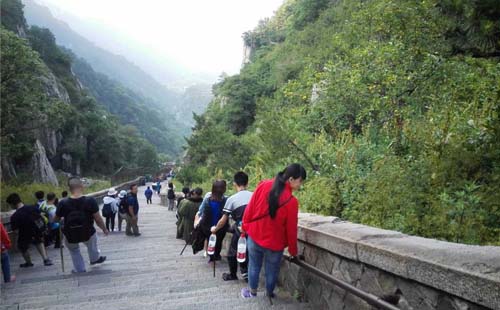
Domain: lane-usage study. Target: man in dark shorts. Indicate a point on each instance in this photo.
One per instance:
(30, 226)
(79, 213)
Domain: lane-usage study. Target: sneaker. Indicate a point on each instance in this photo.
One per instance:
(137, 235)
(99, 261)
(26, 265)
(229, 277)
(12, 279)
(47, 262)
(246, 293)
(78, 272)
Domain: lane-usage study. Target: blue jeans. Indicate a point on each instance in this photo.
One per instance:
(6, 267)
(272, 259)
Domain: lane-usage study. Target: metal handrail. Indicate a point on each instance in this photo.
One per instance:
(371, 299)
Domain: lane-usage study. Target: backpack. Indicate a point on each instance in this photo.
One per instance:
(77, 224)
(171, 194)
(44, 212)
(107, 210)
(39, 225)
(123, 208)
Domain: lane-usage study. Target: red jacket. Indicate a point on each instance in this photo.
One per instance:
(274, 234)
(4, 239)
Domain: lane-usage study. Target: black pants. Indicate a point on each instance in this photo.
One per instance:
(233, 266)
(110, 220)
(232, 252)
(149, 200)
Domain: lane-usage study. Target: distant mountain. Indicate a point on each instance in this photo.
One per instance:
(115, 66)
(158, 126)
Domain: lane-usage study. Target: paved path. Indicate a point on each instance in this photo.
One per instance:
(142, 273)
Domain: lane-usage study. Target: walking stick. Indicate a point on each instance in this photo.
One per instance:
(61, 236)
(185, 246)
(214, 267)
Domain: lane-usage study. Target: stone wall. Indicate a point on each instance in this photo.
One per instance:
(422, 273)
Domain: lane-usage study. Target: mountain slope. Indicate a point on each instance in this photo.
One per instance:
(114, 66)
(159, 128)
(48, 121)
(392, 106)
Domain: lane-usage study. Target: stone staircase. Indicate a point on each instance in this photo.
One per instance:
(143, 272)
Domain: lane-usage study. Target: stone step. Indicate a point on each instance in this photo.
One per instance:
(145, 272)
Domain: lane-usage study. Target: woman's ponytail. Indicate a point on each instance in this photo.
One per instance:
(294, 171)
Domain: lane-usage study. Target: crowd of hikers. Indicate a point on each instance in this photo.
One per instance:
(266, 219)
(71, 218)
(263, 221)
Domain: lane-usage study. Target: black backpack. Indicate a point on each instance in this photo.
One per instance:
(77, 225)
(106, 210)
(171, 194)
(123, 208)
(39, 226)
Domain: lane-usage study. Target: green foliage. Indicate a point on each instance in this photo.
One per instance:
(155, 125)
(12, 15)
(35, 74)
(24, 105)
(394, 104)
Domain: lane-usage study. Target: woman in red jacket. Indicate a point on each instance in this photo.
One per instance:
(270, 220)
(5, 245)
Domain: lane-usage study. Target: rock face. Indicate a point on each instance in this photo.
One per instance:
(41, 167)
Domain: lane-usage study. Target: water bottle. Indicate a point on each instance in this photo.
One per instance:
(241, 255)
(211, 244)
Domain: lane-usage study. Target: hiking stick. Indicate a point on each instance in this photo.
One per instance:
(185, 246)
(214, 267)
(61, 248)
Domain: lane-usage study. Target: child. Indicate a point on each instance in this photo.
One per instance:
(5, 245)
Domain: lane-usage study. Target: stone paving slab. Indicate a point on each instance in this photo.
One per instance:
(140, 272)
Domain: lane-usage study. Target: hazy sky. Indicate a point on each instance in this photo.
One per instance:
(202, 35)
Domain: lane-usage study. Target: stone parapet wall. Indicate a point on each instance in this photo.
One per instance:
(422, 273)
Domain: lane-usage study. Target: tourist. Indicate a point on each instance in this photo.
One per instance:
(187, 212)
(122, 209)
(79, 213)
(5, 245)
(158, 187)
(40, 198)
(212, 213)
(149, 195)
(110, 208)
(171, 196)
(235, 207)
(31, 228)
(185, 194)
(49, 208)
(270, 220)
(64, 194)
(132, 228)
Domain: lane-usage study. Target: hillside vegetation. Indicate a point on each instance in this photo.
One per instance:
(41, 99)
(392, 106)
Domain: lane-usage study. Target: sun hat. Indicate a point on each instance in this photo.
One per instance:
(122, 193)
(112, 191)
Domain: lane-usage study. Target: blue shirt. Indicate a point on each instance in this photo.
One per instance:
(215, 211)
(133, 202)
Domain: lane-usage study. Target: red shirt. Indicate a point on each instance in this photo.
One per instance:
(4, 239)
(274, 234)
